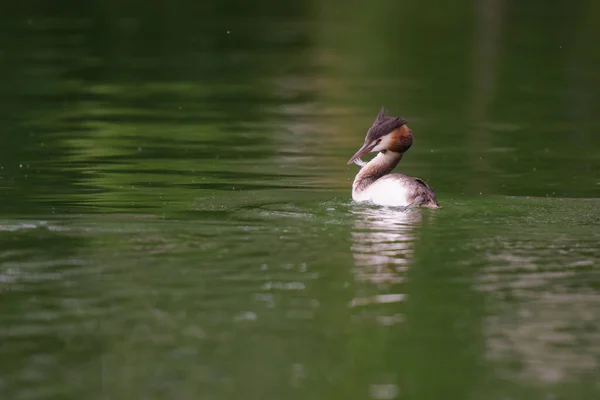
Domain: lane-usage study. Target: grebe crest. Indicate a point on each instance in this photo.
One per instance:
(374, 183)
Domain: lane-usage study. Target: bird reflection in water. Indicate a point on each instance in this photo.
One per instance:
(382, 247)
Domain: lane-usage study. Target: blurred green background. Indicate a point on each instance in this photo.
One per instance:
(95, 93)
(175, 212)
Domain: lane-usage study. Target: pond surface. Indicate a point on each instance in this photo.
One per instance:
(176, 219)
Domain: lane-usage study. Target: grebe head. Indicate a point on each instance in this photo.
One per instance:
(386, 133)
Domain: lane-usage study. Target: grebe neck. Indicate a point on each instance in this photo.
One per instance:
(382, 164)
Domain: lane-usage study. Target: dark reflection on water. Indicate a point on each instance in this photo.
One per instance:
(175, 203)
(542, 302)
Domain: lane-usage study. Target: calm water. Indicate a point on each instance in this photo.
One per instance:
(175, 211)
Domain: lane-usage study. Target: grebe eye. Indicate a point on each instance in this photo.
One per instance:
(378, 140)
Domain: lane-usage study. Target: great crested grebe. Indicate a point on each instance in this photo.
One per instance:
(391, 138)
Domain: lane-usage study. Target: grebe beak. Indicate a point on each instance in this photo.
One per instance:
(362, 151)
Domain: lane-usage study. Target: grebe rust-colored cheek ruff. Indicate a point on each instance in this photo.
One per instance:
(401, 139)
(374, 183)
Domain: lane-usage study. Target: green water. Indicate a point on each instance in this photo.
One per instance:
(175, 211)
